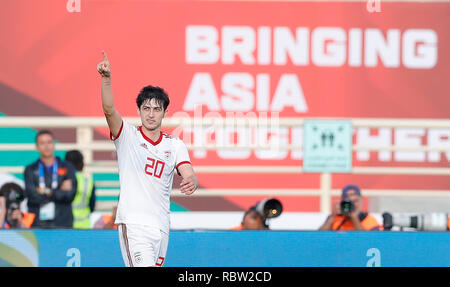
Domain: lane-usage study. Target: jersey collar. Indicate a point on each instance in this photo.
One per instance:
(149, 140)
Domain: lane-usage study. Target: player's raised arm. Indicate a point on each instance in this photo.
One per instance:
(112, 115)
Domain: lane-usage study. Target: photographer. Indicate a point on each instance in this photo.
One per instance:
(252, 220)
(11, 195)
(347, 214)
(257, 216)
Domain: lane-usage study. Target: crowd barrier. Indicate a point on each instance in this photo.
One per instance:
(208, 248)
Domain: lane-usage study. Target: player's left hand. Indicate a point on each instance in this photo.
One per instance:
(188, 185)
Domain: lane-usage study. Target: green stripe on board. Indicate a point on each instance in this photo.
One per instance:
(20, 135)
(22, 158)
(107, 187)
(176, 207)
(106, 176)
(106, 198)
(19, 176)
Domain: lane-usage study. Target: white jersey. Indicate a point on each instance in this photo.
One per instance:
(146, 170)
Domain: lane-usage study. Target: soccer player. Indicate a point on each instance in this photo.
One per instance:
(147, 159)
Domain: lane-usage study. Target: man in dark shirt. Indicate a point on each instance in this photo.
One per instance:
(50, 186)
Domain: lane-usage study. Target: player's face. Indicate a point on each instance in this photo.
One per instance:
(45, 145)
(152, 113)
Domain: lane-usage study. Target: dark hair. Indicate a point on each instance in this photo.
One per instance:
(253, 209)
(44, 132)
(75, 157)
(151, 92)
(10, 186)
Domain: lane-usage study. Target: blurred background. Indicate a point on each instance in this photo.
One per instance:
(230, 68)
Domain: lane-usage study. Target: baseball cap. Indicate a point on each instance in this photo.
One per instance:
(349, 187)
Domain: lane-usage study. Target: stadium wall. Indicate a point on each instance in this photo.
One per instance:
(196, 248)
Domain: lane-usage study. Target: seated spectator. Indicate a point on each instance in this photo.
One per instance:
(252, 220)
(84, 202)
(352, 218)
(11, 195)
(50, 186)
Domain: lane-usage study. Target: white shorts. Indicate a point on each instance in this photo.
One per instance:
(142, 246)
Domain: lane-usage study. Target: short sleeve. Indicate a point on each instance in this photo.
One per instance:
(182, 154)
(123, 134)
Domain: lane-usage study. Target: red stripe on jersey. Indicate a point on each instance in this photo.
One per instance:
(118, 134)
(127, 247)
(149, 140)
(183, 162)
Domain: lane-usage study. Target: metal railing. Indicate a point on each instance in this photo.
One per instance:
(87, 145)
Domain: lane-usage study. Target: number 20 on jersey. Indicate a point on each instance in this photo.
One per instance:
(154, 167)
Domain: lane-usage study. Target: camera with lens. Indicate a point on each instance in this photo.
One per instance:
(14, 195)
(347, 206)
(436, 221)
(268, 208)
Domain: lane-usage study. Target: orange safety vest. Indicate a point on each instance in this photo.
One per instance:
(27, 220)
(237, 227)
(368, 223)
(107, 218)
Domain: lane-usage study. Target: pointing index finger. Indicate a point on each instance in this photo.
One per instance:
(105, 57)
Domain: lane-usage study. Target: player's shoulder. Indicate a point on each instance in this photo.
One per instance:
(172, 138)
(130, 126)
